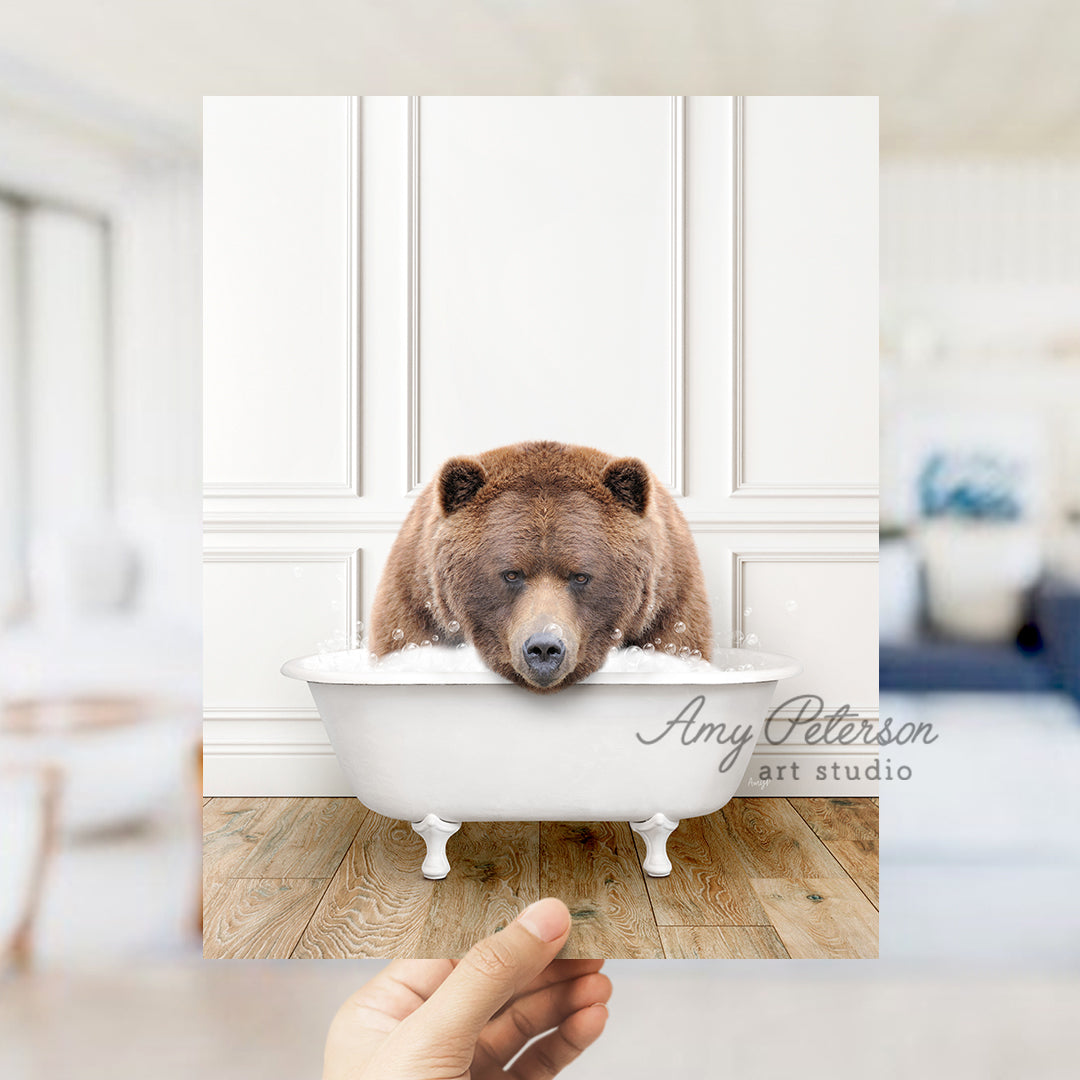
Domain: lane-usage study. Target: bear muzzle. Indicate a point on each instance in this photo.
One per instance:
(544, 653)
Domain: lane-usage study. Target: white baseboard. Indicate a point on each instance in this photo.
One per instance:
(272, 770)
(836, 773)
(268, 769)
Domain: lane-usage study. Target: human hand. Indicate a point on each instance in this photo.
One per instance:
(465, 1019)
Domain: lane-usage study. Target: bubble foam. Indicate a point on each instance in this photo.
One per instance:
(465, 659)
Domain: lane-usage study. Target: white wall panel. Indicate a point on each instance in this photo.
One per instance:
(261, 607)
(547, 236)
(534, 268)
(820, 606)
(809, 360)
(279, 369)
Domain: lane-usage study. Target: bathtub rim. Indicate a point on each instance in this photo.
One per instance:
(782, 667)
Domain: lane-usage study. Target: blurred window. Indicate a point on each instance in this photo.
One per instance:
(55, 382)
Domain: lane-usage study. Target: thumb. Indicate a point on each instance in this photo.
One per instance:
(489, 975)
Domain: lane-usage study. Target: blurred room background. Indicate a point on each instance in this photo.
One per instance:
(980, 547)
(100, 492)
(99, 476)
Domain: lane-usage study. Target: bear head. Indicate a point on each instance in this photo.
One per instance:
(545, 555)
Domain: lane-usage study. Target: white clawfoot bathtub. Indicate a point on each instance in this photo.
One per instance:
(439, 748)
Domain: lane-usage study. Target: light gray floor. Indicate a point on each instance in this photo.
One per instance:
(266, 1021)
(980, 849)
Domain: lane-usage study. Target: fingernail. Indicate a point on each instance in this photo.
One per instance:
(547, 919)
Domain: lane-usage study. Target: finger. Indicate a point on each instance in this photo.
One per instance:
(548, 1056)
(396, 992)
(489, 974)
(532, 1015)
(557, 971)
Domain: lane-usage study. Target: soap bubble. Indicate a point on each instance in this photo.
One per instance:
(644, 662)
(751, 641)
(616, 635)
(680, 628)
(434, 637)
(427, 605)
(453, 626)
(791, 607)
(747, 612)
(398, 634)
(463, 658)
(553, 628)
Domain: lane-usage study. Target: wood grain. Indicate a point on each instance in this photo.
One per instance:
(722, 943)
(379, 905)
(233, 803)
(860, 859)
(228, 839)
(821, 918)
(302, 838)
(775, 842)
(839, 819)
(258, 919)
(325, 878)
(708, 884)
(593, 867)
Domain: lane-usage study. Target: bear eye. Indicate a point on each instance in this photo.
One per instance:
(512, 575)
(580, 579)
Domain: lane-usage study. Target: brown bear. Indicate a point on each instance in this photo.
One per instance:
(543, 556)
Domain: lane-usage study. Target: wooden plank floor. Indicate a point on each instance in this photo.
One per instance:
(760, 879)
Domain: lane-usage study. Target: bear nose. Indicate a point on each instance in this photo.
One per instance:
(544, 653)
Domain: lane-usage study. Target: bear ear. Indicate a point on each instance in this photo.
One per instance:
(459, 480)
(628, 480)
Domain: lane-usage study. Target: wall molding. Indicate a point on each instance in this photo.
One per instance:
(742, 488)
(266, 747)
(262, 521)
(677, 420)
(739, 561)
(270, 712)
(413, 479)
(271, 521)
(283, 769)
(676, 482)
(348, 557)
(349, 488)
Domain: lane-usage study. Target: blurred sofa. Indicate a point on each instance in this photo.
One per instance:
(1044, 657)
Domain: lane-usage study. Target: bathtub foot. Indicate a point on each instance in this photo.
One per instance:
(655, 832)
(436, 832)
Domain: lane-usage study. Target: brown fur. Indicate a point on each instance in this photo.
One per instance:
(548, 511)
